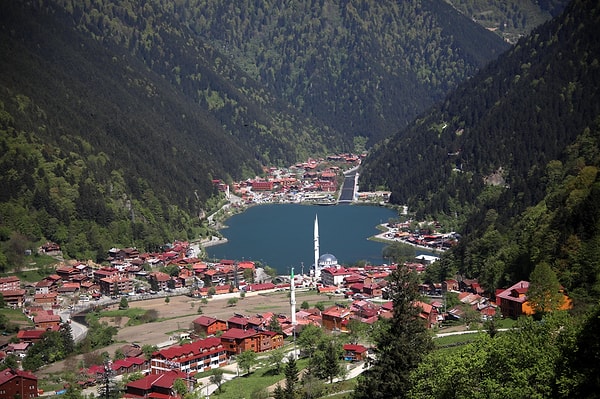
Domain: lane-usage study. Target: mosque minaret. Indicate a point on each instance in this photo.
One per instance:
(293, 298)
(316, 241)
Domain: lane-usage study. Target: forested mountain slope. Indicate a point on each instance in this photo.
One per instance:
(361, 69)
(96, 150)
(520, 134)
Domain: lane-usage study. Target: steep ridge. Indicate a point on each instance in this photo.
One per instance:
(511, 159)
(509, 120)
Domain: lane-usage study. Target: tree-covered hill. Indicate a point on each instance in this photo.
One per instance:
(98, 151)
(364, 68)
(360, 69)
(515, 145)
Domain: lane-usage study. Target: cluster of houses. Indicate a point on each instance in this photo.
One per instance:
(426, 237)
(127, 274)
(312, 181)
(217, 340)
(214, 342)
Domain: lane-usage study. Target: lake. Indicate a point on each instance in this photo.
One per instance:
(281, 236)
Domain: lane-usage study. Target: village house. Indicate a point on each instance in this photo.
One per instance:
(159, 279)
(335, 318)
(512, 299)
(334, 275)
(238, 321)
(11, 283)
(18, 349)
(18, 384)
(156, 385)
(354, 353)
(46, 286)
(49, 299)
(67, 273)
(47, 321)
(197, 356)
(268, 340)
(116, 285)
(122, 254)
(207, 326)
(50, 247)
(104, 272)
(470, 285)
(428, 313)
(236, 341)
(128, 365)
(68, 288)
(30, 336)
(450, 285)
(14, 298)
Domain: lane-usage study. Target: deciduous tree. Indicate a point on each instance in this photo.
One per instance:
(246, 360)
(217, 378)
(544, 289)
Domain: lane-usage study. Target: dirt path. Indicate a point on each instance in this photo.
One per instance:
(179, 313)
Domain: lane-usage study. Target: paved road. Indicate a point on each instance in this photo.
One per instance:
(349, 187)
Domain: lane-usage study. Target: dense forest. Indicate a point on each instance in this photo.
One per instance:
(352, 66)
(510, 158)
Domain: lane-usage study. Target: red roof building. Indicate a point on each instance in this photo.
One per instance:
(18, 384)
(197, 356)
(511, 300)
(11, 283)
(236, 341)
(207, 326)
(46, 299)
(238, 321)
(45, 321)
(116, 285)
(354, 353)
(30, 336)
(14, 298)
(155, 385)
(335, 318)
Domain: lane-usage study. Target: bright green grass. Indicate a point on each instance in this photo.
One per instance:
(456, 339)
(16, 316)
(258, 380)
(244, 387)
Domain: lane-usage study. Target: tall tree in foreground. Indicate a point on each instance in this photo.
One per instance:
(291, 377)
(400, 343)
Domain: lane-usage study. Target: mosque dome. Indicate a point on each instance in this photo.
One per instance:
(327, 260)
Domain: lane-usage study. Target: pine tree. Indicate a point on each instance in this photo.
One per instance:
(400, 343)
(291, 377)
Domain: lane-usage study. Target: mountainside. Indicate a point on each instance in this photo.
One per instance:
(502, 142)
(360, 70)
(364, 68)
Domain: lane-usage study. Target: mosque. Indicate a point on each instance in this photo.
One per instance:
(321, 261)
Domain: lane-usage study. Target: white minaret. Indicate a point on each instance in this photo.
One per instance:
(293, 298)
(316, 241)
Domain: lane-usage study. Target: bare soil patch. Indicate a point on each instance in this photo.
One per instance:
(177, 316)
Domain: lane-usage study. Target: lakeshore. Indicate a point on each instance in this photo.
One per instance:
(281, 235)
